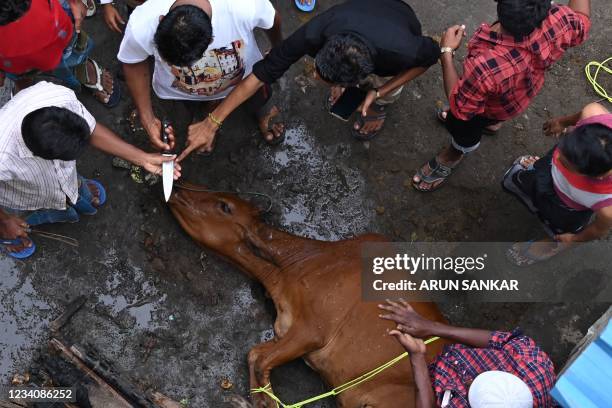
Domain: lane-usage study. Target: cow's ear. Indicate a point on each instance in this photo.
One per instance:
(259, 247)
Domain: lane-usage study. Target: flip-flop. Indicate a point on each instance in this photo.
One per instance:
(362, 120)
(439, 172)
(23, 254)
(519, 255)
(91, 7)
(510, 186)
(305, 7)
(83, 204)
(83, 77)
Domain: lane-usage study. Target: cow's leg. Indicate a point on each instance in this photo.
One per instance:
(265, 356)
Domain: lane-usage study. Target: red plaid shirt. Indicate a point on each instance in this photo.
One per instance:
(501, 76)
(458, 365)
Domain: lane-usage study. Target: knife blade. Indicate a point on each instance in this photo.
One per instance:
(167, 167)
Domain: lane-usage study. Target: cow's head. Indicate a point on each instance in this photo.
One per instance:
(216, 220)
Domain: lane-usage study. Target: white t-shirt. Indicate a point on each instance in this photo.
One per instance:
(228, 59)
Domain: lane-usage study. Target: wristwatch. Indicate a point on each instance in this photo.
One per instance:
(444, 50)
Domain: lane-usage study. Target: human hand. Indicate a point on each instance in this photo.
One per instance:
(13, 227)
(565, 238)
(79, 12)
(335, 94)
(153, 127)
(152, 162)
(200, 137)
(407, 319)
(453, 36)
(412, 345)
(554, 128)
(368, 101)
(113, 18)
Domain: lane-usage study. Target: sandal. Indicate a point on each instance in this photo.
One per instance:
(440, 115)
(362, 120)
(519, 254)
(439, 172)
(24, 253)
(90, 5)
(305, 6)
(110, 101)
(509, 182)
(83, 204)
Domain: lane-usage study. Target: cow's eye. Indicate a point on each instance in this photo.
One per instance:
(225, 207)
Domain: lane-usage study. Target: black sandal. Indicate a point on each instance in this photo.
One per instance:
(362, 120)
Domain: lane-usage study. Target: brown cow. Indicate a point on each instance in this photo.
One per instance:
(315, 286)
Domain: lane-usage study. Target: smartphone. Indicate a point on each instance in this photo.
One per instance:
(348, 103)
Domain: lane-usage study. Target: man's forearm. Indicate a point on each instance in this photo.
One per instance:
(596, 230)
(581, 6)
(245, 89)
(138, 79)
(275, 34)
(107, 141)
(449, 73)
(570, 120)
(401, 80)
(424, 396)
(471, 337)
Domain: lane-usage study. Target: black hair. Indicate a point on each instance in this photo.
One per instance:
(521, 17)
(54, 133)
(11, 10)
(183, 35)
(344, 60)
(589, 149)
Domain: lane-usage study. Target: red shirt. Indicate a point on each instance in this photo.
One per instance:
(501, 76)
(36, 40)
(458, 365)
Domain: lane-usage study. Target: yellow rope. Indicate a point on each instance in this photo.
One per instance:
(601, 91)
(338, 390)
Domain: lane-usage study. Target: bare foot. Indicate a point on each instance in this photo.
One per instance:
(370, 126)
(271, 132)
(335, 93)
(25, 243)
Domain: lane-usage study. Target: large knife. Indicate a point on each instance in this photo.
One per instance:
(167, 167)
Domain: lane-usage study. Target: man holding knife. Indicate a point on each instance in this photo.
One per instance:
(45, 129)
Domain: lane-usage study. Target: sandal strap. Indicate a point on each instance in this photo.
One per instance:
(439, 169)
(98, 85)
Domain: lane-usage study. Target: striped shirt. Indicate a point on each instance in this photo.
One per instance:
(581, 192)
(28, 182)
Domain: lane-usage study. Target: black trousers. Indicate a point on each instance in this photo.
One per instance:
(466, 134)
(538, 184)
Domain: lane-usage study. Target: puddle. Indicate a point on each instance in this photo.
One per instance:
(139, 299)
(320, 196)
(23, 319)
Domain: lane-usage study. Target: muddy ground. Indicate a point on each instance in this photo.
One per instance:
(145, 279)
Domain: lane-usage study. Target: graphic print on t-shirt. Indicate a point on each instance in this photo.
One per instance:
(219, 69)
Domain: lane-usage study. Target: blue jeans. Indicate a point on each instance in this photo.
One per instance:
(74, 55)
(51, 216)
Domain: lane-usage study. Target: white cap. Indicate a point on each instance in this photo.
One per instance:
(497, 389)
